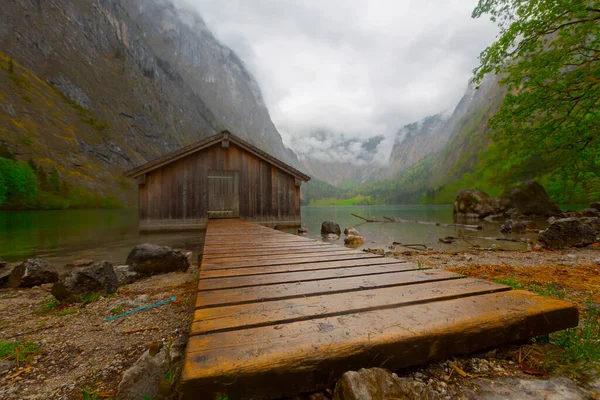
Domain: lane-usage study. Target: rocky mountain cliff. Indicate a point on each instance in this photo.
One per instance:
(95, 87)
(415, 141)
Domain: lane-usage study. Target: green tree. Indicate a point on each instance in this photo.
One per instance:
(54, 179)
(18, 183)
(547, 55)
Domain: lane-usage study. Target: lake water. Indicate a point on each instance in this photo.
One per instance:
(67, 235)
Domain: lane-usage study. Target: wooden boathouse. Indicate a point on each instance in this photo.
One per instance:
(221, 176)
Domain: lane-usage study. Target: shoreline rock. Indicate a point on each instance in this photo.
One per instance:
(330, 227)
(32, 272)
(567, 232)
(100, 277)
(151, 259)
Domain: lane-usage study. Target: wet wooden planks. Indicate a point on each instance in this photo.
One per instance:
(277, 314)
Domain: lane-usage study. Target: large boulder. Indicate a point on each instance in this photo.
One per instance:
(330, 227)
(32, 272)
(151, 259)
(530, 198)
(567, 232)
(594, 223)
(100, 277)
(378, 384)
(596, 205)
(475, 204)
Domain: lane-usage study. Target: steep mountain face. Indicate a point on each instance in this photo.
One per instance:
(338, 160)
(415, 141)
(94, 87)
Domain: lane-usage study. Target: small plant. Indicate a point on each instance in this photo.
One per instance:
(549, 289)
(49, 304)
(117, 310)
(510, 281)
(67, 312)
(18, 352)
(91, 298)
(90, 394)
(419, 265)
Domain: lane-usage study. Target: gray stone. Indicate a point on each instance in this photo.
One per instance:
(530, 198)
(6, 365)
(595, 205)
(96, 278)
(151, 259)
(125, 275)
(594, 223)
(567, 232)
(597, 261)
(329, 227)
(138, 301)
(378, 384)
(525, 389)
(302, 230)
(351, 231)
(145, 379)
(474, 204)
(72, 91)
(32, 272)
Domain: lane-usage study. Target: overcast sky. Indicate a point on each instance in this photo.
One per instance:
(359, 67)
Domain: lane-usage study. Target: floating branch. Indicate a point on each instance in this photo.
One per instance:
(470, 227)
(368, 219)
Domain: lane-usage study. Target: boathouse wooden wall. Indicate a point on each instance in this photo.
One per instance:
(175, 196)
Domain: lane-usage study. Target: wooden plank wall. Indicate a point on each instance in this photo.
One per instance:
(175, 196)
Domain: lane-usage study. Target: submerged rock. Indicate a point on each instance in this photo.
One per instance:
(511, 226)
(32, 272)
(567, 232)
(329, 227)
(151, 259)
(83, 262)
(530, 198)
(96, 278)
(474, 204)
(378, 384)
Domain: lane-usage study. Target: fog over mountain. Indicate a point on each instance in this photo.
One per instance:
(352, 67)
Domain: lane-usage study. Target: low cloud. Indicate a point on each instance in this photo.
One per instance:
(356, 68)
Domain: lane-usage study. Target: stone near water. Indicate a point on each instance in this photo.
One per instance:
(567, 232)
(125, 275)
(354, 240)
(595, 205)
(96, 278)
(511, 226)
(151, 259)
(351, 231)
(530, 198)
(329, 227)
(475, 204)
(5, 270)
(302, 230)
(32, 272)
(379, 383)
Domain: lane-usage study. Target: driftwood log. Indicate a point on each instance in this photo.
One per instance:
(463, 226)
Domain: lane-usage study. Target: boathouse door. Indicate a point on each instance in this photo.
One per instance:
(223, 194)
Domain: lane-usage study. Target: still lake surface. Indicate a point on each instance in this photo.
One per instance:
(66, 235)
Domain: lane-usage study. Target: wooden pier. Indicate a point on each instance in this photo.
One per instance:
(278, 314)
